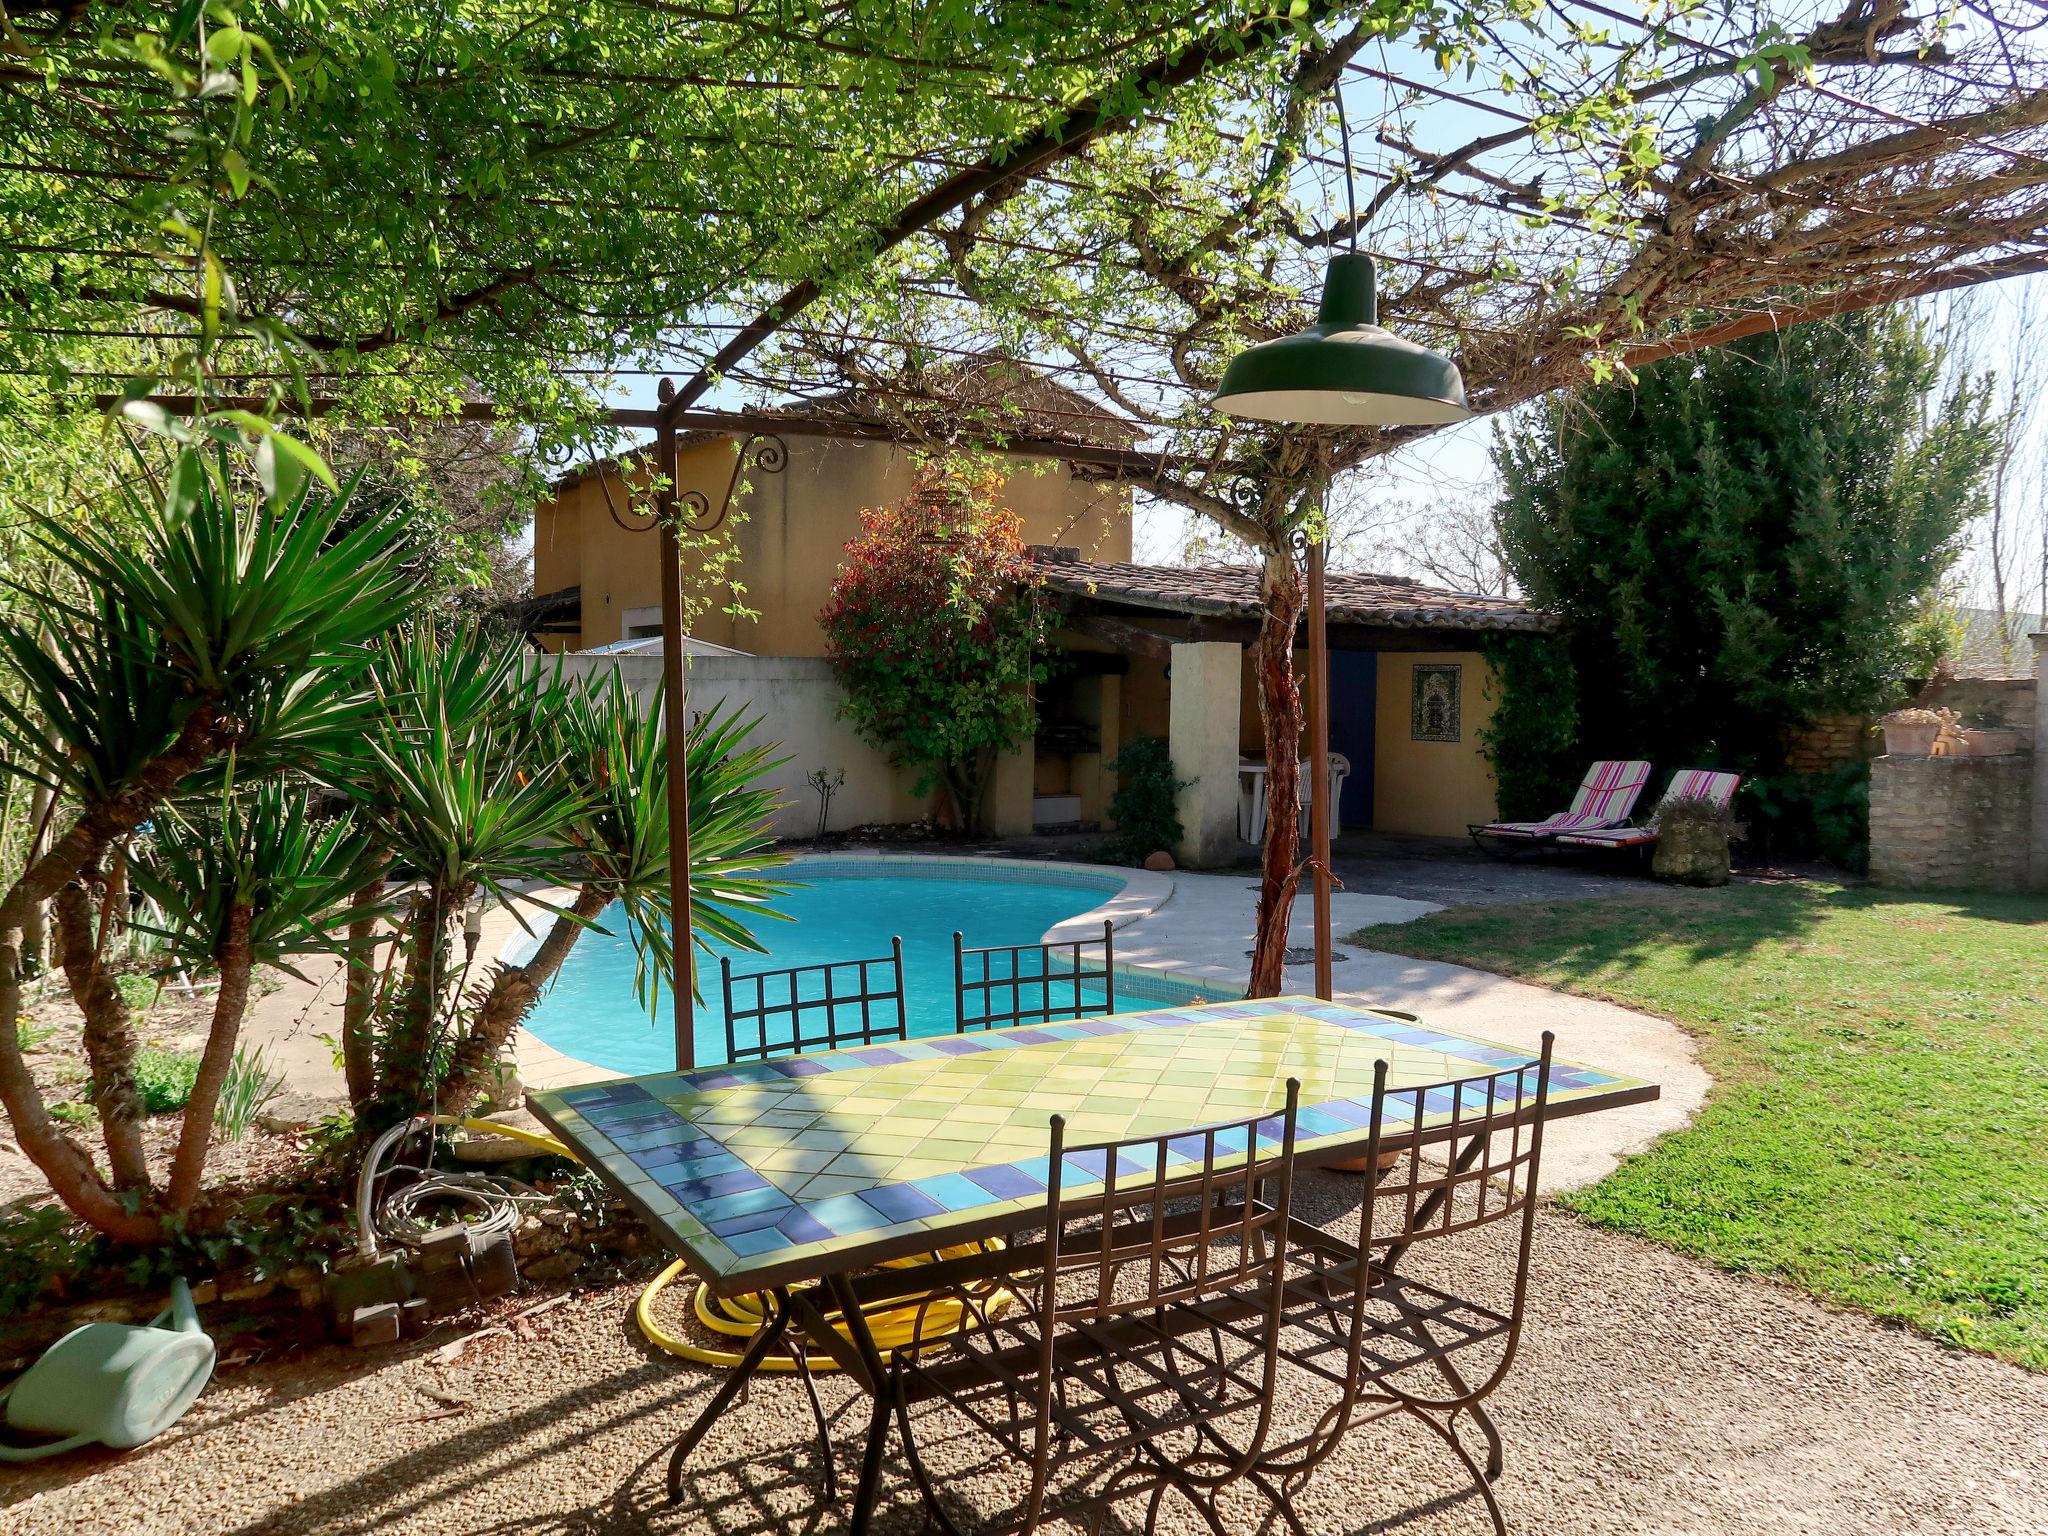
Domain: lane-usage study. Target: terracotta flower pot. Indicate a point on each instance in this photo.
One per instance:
(1909, 740)
(1691, 854)
(1991, 741)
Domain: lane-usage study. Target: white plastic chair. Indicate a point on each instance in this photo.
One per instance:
(1251, 796)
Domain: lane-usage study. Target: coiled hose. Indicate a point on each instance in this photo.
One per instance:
(396, 1219)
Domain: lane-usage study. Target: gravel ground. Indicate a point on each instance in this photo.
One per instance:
(1651, 1395)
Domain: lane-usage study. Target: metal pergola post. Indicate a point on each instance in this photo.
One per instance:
(675, 738)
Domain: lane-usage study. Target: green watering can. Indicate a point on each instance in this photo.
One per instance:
(113, 1383)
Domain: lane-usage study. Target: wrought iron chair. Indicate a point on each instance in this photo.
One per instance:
(1108, 1379)
(1396, 1344)
(1007, 984)
(804, 1008)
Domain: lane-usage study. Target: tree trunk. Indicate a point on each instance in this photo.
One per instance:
(359, 991)
(511, 996)
(110, 1043)
(1281, 596)
(195, 1136)
(66, 1164)
(35, 921)
(407, 1064)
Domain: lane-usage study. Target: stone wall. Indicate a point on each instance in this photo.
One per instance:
(1822, 745)
(1952, 822)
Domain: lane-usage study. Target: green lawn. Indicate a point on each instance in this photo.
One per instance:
(1878, 1130)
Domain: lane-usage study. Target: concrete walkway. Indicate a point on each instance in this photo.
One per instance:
(1205, 929)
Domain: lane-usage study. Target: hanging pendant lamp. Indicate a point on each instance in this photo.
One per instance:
(1346, 369)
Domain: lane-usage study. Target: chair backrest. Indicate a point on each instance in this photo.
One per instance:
(1229, 1186)
(1703, 784)
(1488, 1130)
(1492, 1126)
(814, 1007)
(1006, 984)
(1606, 795)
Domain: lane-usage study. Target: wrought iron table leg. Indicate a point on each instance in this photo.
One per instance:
(862, 1338)
(771, 1333)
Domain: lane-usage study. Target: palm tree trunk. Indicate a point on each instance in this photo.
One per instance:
(1280, 718)
(110, 1041)
(35, 921)
(358, 1048)
(195, 1136)
(407, 1063)
(513, 991)
(65, 1163)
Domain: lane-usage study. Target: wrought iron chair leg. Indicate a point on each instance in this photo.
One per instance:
(810, 1381)
(1449, 1435)
(1495, 1458)
(770, 1334)
(1277, 1497)
(1448, 1369)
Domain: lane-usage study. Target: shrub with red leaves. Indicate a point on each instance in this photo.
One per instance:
(936, 628)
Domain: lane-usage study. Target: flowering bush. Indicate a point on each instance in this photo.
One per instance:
(936, 628)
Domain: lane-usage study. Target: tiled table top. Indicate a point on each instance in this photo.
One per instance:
(790, 1169)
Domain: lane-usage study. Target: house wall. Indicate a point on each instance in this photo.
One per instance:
(1428, 787)
(797, 702)
(790, 530)
(796, 699)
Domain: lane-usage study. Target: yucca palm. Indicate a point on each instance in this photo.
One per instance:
(611, 749)
(256, 882)
(230, 630)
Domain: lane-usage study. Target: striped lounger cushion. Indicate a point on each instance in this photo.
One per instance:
(1693, 784)
(1606, 797)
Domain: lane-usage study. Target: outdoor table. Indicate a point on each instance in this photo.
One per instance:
(788, 1176)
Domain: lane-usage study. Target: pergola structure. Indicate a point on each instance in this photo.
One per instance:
(788, 201)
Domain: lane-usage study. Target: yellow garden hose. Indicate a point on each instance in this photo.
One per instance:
(915, 1319)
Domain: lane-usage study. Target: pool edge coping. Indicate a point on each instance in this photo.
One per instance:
(1142, 893)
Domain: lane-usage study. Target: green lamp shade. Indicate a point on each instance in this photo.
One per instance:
(1344, 370)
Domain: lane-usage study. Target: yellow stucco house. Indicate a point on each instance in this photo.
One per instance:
(1150, 649)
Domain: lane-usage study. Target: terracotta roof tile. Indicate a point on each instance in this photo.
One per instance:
(1354, 597)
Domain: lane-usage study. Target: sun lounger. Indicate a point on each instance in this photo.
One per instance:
(1693, 784)
(1606, 798)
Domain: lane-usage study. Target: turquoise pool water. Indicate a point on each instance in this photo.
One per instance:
(837, 914)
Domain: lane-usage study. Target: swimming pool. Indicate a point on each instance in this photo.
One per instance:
(846, 909)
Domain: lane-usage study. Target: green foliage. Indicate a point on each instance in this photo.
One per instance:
(257, 857)
(610, 749)
(229, 615)
(1872, 1130)
(937, 628)
(1532, 738)
(32, 1037)
(38, 1244)
(1143, 805)
(249, 1086)
(1745, 538)
(1811, 815)
(138, 992)
(164, 1078)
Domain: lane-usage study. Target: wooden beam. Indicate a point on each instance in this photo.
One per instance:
(1125, 637)
(1136, 463)
(1837, 304)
